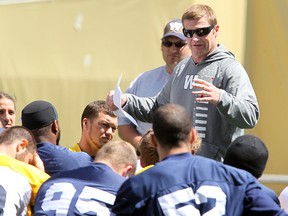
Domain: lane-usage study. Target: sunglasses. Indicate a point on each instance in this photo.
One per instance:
(177, 44)
(200, 31)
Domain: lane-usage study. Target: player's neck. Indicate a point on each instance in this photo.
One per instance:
(163, 153)
(86, 147)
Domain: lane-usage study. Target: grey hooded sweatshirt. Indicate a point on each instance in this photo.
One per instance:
(217, 125)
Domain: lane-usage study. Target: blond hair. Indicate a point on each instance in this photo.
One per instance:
(118, 154)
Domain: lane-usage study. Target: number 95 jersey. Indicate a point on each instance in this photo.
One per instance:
(85, 191)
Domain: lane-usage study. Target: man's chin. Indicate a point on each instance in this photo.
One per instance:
(104, 141)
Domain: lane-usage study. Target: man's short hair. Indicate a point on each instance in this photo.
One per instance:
(198, 11)
(7, 96)
(93, 109)
(148, 152)
(118, 153)
(172, 125)
(9, 135)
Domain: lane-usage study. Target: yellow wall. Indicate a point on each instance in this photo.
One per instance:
(71, 52)
(266, 61)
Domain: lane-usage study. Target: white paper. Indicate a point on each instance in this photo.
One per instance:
(117, 101)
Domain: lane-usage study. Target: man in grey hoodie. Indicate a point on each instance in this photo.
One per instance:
(211, 84)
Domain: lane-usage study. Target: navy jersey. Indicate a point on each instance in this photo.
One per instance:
(88, 190)
(270, 193)
(57, 158)
(184, 184)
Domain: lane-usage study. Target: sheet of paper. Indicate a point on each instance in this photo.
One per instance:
(117, 101)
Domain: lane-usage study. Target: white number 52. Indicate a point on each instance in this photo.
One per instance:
(183, 202)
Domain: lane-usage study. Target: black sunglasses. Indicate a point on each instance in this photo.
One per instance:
(200, 31)
(167, 43)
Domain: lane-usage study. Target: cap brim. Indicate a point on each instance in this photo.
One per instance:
(182, 37)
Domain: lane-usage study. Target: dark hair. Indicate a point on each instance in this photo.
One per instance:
(172, 125)
(41, 132)
(93, 109)
(10, 134)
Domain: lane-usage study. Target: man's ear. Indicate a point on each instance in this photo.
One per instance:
(21, 146)
(217, 30)
(55, 126)
(141, 162)
(84, 123)
(126, 172)
(154, 140)
(192, 136)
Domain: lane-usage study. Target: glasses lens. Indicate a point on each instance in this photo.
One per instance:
(179, 44)
(200, 31)
(203, 31)
(169, 44)
(188, 33)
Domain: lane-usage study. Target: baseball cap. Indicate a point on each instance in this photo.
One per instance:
(38, 114)
(174, 28)
(247, 152)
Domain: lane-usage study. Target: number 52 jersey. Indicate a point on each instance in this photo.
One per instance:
(184, 184)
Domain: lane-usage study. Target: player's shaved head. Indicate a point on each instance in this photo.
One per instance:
(172, 125)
